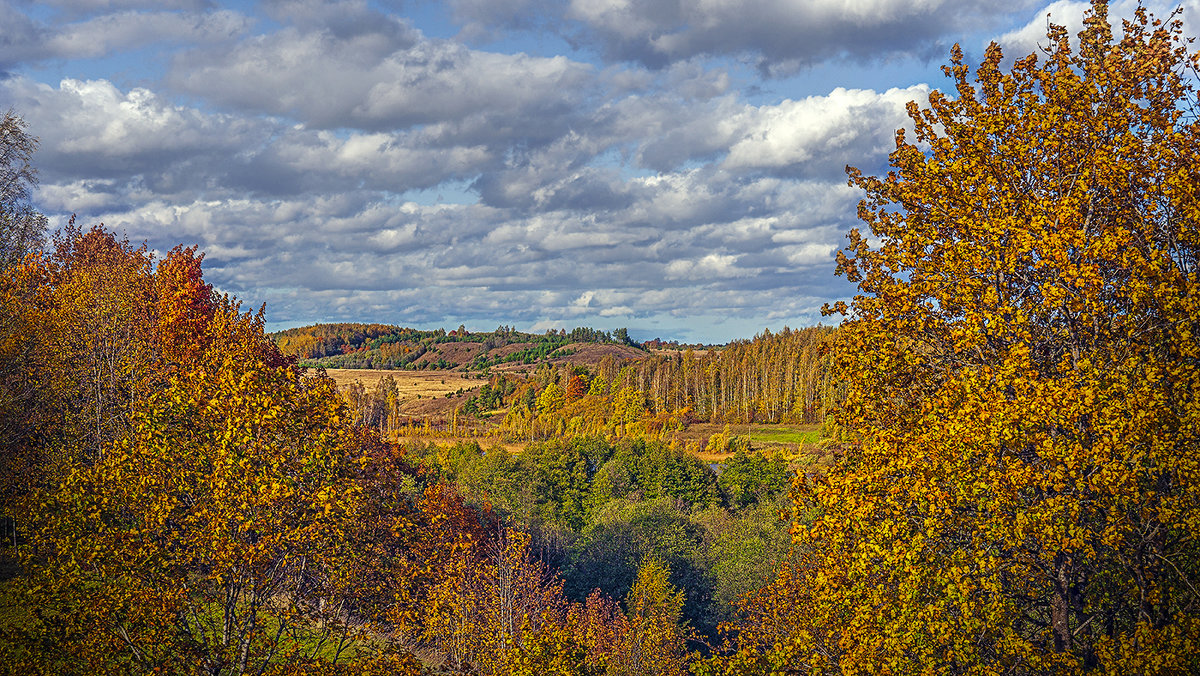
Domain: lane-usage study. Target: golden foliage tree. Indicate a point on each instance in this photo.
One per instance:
(188, 501)
(654, 638)
(502, 612)
(212, 536)
(1022, 490)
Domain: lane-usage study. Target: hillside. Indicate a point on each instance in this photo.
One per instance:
(383, 346)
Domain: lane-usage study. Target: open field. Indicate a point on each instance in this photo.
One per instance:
(484, 442)
(784, 434)
(427, 384)
(791, 440)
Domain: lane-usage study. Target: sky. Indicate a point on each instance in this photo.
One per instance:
(676, 167)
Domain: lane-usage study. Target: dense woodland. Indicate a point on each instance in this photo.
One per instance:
(1013, 398)
(775, 378)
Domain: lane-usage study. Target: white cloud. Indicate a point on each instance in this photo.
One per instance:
(820, 135)
(658, 32)
(303, 158)
(90, 129)
(23, 40)
(383, 79)
(1030, 38)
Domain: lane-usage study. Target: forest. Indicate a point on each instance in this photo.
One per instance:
(1008, 411)
(395, 347)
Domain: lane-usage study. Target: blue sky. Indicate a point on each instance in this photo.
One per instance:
(671, 166)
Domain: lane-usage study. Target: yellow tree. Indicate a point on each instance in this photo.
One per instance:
(654, 638)
(1022, 490)
(211, 537)
(502, 612)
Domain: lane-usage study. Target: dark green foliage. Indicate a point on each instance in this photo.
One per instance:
(585, 335)
(657, 470)
(743, 549)
(557, 477)
(751, 478)
(597, 511)
(488, 398)
(622, 336)
(625, 533)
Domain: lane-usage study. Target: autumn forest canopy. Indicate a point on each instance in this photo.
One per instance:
(988, 463)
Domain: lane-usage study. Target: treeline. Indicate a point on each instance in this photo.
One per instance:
(779, 377)
(380, 346)
(322, 340)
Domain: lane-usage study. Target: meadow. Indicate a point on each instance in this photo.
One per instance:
(411, 384)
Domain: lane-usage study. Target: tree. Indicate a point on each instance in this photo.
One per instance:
(21, 394)
(502, 612)
(21, 226)
(1021, 493)
(213, 533)
(748, 479)
(655, 639)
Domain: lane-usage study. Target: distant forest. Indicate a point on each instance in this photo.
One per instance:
(384, 346)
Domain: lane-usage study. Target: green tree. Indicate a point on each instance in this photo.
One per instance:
(748, 479)
(626, 533)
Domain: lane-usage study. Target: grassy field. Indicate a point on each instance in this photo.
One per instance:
(410, 383)
(791, 440)
(784, 434)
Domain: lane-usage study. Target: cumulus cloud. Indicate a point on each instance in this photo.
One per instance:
(820, 135)
(383, 76)
(24, 41)
(91, 129)
(302, 149)
(779, 34)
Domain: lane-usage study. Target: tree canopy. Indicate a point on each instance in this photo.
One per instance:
(1020, 491)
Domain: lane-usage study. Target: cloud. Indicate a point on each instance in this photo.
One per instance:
(112, 145)
(1030, 38)
(24, 41)
(304, 159)
(91, 130)
(498, 261)
(781, 35)
(82, 7)
(820, 135)
(384, 76)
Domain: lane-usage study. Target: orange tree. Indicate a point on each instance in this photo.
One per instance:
(1021, 489)
(193, 501)
(212, 536)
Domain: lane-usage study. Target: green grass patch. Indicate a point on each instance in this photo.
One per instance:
(784, 434)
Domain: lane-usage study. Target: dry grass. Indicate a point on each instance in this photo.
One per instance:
(448, 440)
(426, 384)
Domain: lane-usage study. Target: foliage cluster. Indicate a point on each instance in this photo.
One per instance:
(1021, 492)
(187, 500)
(1017, 391)
(597, 511)
(777, 377)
